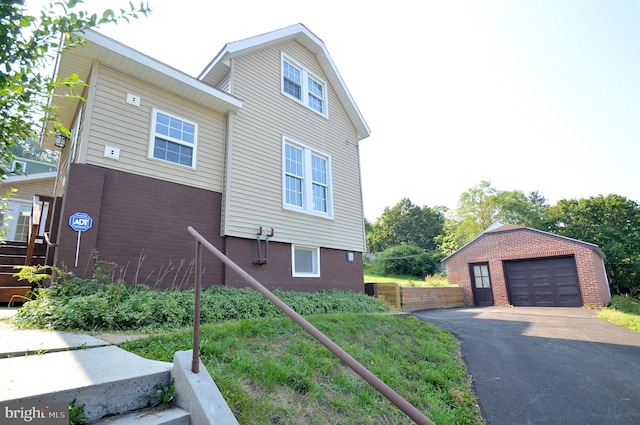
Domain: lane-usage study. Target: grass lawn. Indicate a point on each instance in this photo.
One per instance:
(623, 311)
(271, 372)
(373, 276)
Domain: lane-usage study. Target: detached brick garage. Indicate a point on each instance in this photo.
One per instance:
(516, 265)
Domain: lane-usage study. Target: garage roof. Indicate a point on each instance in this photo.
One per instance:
(498, 227)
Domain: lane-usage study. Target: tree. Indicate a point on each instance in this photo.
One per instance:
(482, 205)
(27, 44)
(408, 224)
(613, 223)
(31, 149)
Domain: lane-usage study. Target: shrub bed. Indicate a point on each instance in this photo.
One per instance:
(77, 304)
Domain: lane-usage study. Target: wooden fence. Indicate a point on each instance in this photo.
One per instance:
(389, 293)
(410, 298)
(426, 298)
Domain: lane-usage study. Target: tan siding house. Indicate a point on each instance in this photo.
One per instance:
(261, 148)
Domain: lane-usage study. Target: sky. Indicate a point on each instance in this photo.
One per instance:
(530, 95)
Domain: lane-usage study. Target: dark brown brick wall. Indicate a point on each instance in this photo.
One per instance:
(496, 247)
(141, 223)
(335, 271)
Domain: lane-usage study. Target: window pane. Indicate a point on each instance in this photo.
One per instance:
(319, 198)
(292, 83)
(293, 159)
(162, 124)
(162, 128)
(293, 191)
(319, 170)
(316, 95)
(316, 88)
(293, 89)
(306, 260)
(173, 152)
(22, 227)
(485, 282)
(188, 132)
(316, 104)
(291, 73)
(484, 271)
(478, 282)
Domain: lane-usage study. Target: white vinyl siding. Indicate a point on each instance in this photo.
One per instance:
(255, 155)
(126, 127)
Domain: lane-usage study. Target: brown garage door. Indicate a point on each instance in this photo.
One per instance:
(543, 282)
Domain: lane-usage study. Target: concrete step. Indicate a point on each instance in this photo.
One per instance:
(151, 416)
(107, 380)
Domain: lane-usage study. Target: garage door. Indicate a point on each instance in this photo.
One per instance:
(544, 282)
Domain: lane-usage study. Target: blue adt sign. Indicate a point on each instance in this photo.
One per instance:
(80, 221)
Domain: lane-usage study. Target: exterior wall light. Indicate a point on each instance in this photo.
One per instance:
(350, 257)
(60, 140)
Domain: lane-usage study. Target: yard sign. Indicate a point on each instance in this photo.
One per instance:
(80, 222)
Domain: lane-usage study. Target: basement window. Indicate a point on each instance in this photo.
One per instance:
(305, 261)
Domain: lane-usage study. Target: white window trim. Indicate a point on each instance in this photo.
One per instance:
(16, 162)
(316, 252)
(305, 75)
(152, 139)
(307, 192)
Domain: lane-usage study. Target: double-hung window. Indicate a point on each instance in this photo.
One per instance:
(304, 87)
(306, 179)
(173, 139)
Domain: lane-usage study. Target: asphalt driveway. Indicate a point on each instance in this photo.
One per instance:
(547, 365)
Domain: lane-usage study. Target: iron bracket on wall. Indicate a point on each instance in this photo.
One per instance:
(260, 260)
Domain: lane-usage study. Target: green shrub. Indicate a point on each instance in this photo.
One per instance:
(406, 260)
(91, 306)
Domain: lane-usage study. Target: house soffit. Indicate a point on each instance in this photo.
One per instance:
(110, 53)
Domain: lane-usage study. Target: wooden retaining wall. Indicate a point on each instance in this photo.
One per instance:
(427, 298)
(390, 294)
(409, 298)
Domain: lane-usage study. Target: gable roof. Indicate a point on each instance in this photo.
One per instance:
(498, 227)
(97, 47)
(311, 42)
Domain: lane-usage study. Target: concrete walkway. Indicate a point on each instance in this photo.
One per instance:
(61, 366)
(560, 366)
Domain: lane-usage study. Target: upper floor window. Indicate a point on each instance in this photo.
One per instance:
(173, 139)
(307, 179)
(303, 86)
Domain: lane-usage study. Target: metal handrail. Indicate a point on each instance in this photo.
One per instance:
(410, 410)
